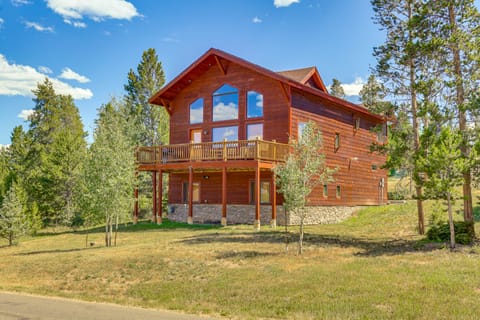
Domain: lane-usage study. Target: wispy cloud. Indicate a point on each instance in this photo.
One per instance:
(44, 69)
(25, 114)
(256, 20)
(1, 23)
(20, 80)
(353, 89)
(97, 10)
(37, 26)
(76, 24)
(170, 39)
(69, 74)
(18, 3)
(284, 3)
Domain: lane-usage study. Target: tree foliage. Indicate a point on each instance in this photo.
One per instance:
(336, 89)
(303, 170)
(12, 221)
(109, 173)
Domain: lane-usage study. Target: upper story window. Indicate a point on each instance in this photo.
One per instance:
(337, 142)
(254, 104)
(196, 111)
(255, 131)
(222, 133)
(225, 103)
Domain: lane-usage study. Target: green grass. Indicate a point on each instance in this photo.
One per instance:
(372, 266)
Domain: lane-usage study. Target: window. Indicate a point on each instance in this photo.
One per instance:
(196, 111)
(264, 192)
(254, 104)
(255, 131)
(337, 141)
(374, 167)
(196, 135)
(339, 192)
(382, 134)
(195, 193)
(225, 103)
(222, 133)
(301, 127)
(325, 190)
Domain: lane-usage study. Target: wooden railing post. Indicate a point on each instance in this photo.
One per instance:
(257, 147)
(225, 149)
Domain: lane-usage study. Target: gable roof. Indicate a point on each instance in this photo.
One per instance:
(291, 78)
(305, 76)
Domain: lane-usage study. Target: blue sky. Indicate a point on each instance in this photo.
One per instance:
(87, 49)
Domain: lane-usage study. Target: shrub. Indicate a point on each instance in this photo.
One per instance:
(440, 231)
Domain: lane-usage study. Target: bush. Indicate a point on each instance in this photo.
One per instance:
(440, 231)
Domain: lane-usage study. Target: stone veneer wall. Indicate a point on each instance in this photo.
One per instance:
(245, 214)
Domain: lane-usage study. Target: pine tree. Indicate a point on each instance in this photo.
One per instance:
(304, 169)
(151, 123)
(336, 89)
(12, 221)
(373, 96)
(56, 153)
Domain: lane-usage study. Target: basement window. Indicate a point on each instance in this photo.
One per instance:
(339, 192)
(325, 191)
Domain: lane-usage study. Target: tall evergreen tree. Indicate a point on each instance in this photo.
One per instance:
(56, 154)
(373, 96)
(151, 122)
(336, 89)
(12, 221)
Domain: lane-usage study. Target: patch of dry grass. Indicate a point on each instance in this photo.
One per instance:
(370, 266)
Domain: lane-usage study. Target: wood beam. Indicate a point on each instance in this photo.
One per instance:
(154, 196)
(285, 92)
(273, 195)
(222, 69)
(190, 195)
(256, 223)
(224, 196)
(160, 194)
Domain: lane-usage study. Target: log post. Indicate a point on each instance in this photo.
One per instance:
(154, 196)
(224, 196)
(273, 195)
(256, 223)
(160, 196)
(190, 196)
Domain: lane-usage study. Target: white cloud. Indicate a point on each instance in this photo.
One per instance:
(44, 69)
(196, 115)
(256, 20)
(38, 26)
(284, 3)
(170, 39)
(4, 146)
(18, 3)
(97, 10)
(353, 89)
(25, 114)
(1, 23)
(69, 74)
(76, 24)
(20, 80)
(223, 111)
(229, 133)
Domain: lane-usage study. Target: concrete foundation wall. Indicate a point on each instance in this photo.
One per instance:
(245, 214)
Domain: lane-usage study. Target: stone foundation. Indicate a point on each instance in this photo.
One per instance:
(245, 214)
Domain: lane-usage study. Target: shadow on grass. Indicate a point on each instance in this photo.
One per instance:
(141, 226)
(31, 253)
(244, 254)
(366, 247)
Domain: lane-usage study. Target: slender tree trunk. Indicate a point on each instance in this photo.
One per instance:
(116, 231)
(416, 137)
(300, 239)
(450, 222)
(286, 230)
(107, 223)
(462, 123)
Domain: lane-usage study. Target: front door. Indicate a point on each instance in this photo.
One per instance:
(196, 135)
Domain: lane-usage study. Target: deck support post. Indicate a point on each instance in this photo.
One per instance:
(273, 192)
(154, 196)
(135, 195)
(159, 196)
(256, 223)
(190, 196)
(224, 196)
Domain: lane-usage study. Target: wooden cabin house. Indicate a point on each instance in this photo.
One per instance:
(230, 122)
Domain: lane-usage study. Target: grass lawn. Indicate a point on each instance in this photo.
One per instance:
(369, 267)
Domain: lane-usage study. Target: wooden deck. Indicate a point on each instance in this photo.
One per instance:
(212, 151)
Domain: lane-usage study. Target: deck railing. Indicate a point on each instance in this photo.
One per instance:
(213, 151)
